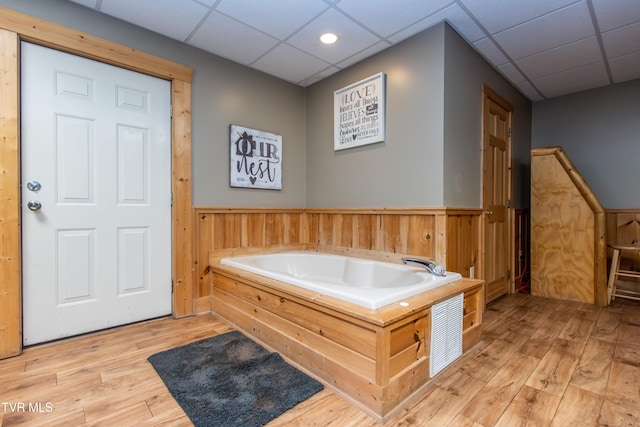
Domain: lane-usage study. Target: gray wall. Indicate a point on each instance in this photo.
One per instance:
(465, 73)
(432, 152)
(224, 93)
(434, 83)
(600, 131)
(407, 168)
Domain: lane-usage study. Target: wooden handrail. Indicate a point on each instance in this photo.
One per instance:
(572, 173)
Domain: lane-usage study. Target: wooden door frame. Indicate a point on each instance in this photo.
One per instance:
(488, 93)
(16, 27)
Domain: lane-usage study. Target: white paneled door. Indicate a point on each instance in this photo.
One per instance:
(96, 195)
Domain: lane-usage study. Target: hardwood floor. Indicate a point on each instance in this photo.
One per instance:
(542, 362)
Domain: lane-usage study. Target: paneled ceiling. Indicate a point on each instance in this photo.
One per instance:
(546, 48)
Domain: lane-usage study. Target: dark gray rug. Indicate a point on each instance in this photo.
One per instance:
(229, 380)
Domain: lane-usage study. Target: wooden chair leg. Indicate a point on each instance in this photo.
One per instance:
(611, 285)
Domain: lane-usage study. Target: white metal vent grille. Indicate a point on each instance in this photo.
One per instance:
(446, 333)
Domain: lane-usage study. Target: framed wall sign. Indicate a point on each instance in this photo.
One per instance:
(359, 113)
(256, 158)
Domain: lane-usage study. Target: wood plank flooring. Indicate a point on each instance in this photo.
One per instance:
(543, 362)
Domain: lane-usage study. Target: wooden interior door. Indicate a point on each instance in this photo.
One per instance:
(496, 193)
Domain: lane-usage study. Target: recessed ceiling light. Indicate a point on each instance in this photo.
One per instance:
(329, 38)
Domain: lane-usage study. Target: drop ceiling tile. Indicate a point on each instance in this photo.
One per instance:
(353, 38)
(462, 22)
(574, 80)
(489, 50)
(612, 14)
(384, 17)
(622, 41)
(267, 15)
(380, 46)
(529, 91)
(563, 58)
(231, 39)
(555, 29)
(454, 15)
(87, 3)
(289, 63)
(319, 76)
(207, 3)
(551, 41)
(498, 15)
(625, 67)
(152, 15)
(511, 72)
(419, 26)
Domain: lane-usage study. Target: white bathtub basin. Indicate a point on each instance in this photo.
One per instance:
(368, 283)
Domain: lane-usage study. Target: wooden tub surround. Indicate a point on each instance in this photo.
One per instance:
(377, 359)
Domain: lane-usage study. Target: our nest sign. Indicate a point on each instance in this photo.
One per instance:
(359, 113)
(256, 159)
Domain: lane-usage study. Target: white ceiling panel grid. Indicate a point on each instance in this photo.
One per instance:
(562, 58)
(626, 67)
(499, 15)
(612, 14)
(490, 51)
(231, 39)
(548, 31)
(353, 38)
(546, 48)
(384, 17)
(290, 63)
(175, 19)
(267, 16)
(622, 40)
(574, 80)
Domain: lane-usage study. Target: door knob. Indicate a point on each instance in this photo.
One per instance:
(34, 205)
(489, 212)
(33, 186)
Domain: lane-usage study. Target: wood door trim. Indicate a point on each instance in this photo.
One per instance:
(488, 93)
(14, 27)
(68, 40)
(10, 268)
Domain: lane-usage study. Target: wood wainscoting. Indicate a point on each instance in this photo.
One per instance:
(451, 237)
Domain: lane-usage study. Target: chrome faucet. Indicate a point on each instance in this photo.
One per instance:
(432, 267)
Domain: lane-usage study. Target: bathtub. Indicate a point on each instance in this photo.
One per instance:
(378, 359)
(367, 283)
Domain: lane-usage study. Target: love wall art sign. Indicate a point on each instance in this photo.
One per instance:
(256, 159)
(359, 113)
